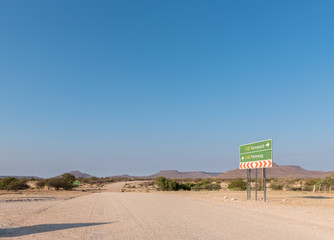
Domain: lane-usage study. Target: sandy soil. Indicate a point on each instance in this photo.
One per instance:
(120, 215)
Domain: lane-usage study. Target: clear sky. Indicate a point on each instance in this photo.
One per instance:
(113, 87)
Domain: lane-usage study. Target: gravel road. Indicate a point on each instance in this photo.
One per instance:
(117, 215)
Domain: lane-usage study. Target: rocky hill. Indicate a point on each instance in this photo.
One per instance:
(177, 174)
(279, 172)
(123, 176)
(78, 174)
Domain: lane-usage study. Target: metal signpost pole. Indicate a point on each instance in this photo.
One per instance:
(262, 178)
(250, 184)
(247, 185)
(256, 184)
(264, 185)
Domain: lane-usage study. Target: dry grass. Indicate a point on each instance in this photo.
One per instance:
(290, 198)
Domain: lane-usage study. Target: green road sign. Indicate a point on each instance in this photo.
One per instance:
(256, 155)
(77, 183)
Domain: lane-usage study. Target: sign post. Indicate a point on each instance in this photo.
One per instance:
(253, 156)
(247, 184)
(255, 184)
(250, 184)
(264, 186)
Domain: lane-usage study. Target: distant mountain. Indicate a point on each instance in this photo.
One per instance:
(19, 177)
(123, 176)
(177, 174)
(79, 174)
(278, 172)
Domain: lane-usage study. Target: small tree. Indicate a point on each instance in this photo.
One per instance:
(57, 183)
(68, 180)
(65, 182)
(5, 182)
(162, 183)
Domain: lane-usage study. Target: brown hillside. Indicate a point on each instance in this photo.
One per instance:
(78, 174)
(278, 172)
(177, 174)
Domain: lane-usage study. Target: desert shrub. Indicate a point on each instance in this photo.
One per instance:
(170, 185)
(5, 181)
(327, 182)
(12, 183)
(65, 182)
(41, 184)
(97, 181)
(309, 184)
(57, 183)
(148, 184)
(68, 177)
(259, 184)
(269, 180)
(84, 180)
(276, 186)
(188, 185)
(237, 184)
(162, 183)
(206, 185)
(68, 180)
(218, 180)
(18, 184)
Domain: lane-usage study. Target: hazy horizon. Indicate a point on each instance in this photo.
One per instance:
(125, 87)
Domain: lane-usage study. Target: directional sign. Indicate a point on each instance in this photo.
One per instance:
(256, 155)
(77, 183)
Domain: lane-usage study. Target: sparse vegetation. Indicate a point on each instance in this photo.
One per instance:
(41, 183)
(165, 184)
(65, 182)
(276, 186)
(237, 184)
(206, 185)
(12, 183)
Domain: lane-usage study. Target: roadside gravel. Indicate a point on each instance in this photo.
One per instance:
(117, 215)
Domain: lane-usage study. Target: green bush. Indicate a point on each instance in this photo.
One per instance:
(237, 184)
(276, 186)
(65, 182)
(11, 183)
(57, 183)
(327, 182)
(41, 183)
(4, 182)
(170, 185)
(206, 185)
(19, 184)
(309, 184)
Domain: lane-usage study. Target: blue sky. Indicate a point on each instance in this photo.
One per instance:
(113, 87)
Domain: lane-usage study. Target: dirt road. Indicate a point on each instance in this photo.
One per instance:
(116, 215)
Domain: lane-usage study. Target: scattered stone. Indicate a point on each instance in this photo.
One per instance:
(284, 199)
(225, 197)
(233, 199)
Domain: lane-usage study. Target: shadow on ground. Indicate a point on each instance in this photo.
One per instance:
(316, 197)
(22, 231)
